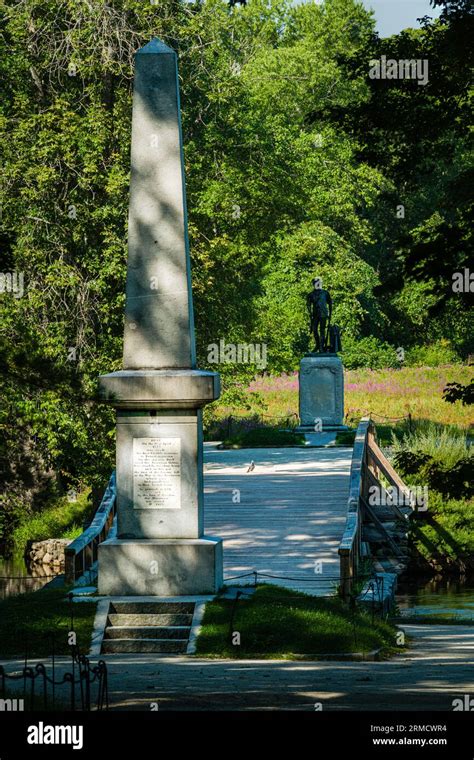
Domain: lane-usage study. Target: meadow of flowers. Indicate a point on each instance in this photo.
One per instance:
(384, 393)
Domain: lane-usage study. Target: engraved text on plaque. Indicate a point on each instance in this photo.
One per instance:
(156, 473)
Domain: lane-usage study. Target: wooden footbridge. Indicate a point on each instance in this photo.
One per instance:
(303, 518)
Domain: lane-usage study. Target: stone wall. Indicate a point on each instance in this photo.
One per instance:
(49, 552)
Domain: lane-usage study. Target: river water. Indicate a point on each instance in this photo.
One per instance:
(447, 599)
(17, 578)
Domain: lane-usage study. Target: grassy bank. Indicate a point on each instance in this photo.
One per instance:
(278, 623)
(443, 539)
(29, 620)
(440, 461)
(62, 519)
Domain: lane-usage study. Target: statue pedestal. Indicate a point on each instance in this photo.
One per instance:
(321, 393)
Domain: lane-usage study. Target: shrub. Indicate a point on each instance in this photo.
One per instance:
(368, 352)
(450, 532)
(434, 355)
(443, 445)
(437, 458)
(456, 482)
(409, 462)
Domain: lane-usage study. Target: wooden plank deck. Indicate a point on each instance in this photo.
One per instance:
(291, 514)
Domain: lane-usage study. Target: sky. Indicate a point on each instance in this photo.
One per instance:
(394, 15)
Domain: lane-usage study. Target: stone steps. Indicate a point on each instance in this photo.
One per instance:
(160, 619)
(147, 632)
(145, 627)
(144, 646)
(151, 608)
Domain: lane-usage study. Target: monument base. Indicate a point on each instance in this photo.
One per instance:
(326, 429)
(160, 567)
(321, 393)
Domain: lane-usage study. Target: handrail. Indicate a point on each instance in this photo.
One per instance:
(368, 461)
(350, 546)
(82, 552)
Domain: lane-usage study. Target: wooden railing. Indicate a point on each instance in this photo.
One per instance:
(368, 462)
(81, 554)
(350, 546)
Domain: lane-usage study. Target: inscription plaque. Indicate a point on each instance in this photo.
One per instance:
(157, 473)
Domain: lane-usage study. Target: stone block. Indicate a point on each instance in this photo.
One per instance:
(168, 567)
(155, 389)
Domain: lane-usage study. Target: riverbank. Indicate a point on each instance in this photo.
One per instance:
(62, 518)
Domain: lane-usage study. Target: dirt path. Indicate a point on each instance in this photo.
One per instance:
(437, 669)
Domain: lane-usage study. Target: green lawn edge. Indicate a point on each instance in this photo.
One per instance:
(279, 623)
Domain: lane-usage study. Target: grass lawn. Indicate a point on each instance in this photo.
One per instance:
(30, 619)
(277, 623)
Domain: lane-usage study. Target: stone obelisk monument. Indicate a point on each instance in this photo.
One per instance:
(160, 548)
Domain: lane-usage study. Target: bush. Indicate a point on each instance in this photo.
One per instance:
(449, 533)
(446, 446)
(438, 458)
(346, 438)
(434, 355)
(12, 512)
(456, 482)
(410, 462)
(370, 353)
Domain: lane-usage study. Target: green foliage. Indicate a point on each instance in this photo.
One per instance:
(442, 445)
(409, 462)
(455, 481)
(346, 438)
(440, 458)
(418, 138)
(448, 533)
(434, 355)
(295, 162)
(62, 519)
(368, 352)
